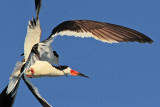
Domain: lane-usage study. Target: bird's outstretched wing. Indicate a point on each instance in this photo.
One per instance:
(35, 92)
(33, 32)
(104, 32)
(7, 100)
(14, 78)
(8, 95)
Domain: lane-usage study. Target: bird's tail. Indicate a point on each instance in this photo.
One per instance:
(14, 78)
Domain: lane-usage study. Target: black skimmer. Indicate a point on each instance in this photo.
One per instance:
(101, 31)
(105, 32)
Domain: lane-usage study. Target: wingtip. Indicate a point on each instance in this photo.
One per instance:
(150, 41)
(147, 40)
(38, 4)
(32, 23)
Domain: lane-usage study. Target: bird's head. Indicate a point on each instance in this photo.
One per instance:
(44, 69)
(68, 71)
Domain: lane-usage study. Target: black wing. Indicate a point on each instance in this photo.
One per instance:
(35, 92)
(38, 4)
(105, 32)
(7, 100)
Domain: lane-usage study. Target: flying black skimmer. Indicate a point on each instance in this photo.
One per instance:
(101, 31)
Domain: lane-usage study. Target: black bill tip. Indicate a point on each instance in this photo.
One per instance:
(82, 75)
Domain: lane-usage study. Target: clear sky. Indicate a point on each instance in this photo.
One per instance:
(121, 75)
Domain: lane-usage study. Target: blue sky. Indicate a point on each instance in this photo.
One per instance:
(121, 75)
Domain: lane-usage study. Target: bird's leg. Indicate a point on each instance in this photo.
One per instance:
(62, 70)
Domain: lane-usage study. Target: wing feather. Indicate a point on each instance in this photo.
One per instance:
(33, 31)
(105, 32)
(32, 37)
(35, 92)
